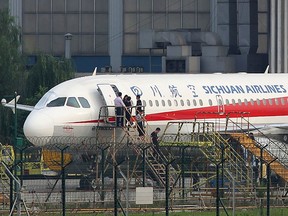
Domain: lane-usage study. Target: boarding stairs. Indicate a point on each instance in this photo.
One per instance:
(129, 135)
(273, 152)
(233, 162)
(203, 135)
(255, 147)
(156, 164)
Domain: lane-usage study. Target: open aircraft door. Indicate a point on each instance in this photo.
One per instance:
(108, 93)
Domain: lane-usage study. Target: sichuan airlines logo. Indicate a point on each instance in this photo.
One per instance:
(136, 90)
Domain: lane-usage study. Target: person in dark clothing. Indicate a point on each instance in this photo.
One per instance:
(128, 105)
(155, 140)
(138, 104)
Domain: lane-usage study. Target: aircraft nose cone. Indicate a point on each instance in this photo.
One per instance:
(38, 125)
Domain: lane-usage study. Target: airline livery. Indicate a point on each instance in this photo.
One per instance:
(72, 108)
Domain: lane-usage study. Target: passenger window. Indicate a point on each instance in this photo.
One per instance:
(188, 102)
(233, 102)
(72, 102)
(169, 103)
(276, 101)
(163, 103)
(144, 103)
(246, 102)
(264, 102)
(150, 103)
(270, 102)
(57, 102)
(220, 102)
(176, 102)
(252, 102)
(201, 102)
(157, 103)
(84, 103)
(282, 101)
(194, 102)
(227, 102)
(210, 102)
(182, 102)
(258, 102)
(239, 102)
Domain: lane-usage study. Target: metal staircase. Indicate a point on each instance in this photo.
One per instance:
(214, 146)
(156, 164)
(271, 151)
(129, 135)
(260, 151)
(6, 159)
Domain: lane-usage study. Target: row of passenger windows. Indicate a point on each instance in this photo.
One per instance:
(199, 102)
(71, 101)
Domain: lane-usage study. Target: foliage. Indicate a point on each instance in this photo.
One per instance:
(31, 85)
(11, 67)
(11, 62)
(45, 74)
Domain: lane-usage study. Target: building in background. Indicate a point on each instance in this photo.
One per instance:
(157, 35)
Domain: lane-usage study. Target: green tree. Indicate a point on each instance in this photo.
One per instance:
(11, 61)
(11, 67)
(45, 74)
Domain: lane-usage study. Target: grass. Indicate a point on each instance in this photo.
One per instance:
(239, 212)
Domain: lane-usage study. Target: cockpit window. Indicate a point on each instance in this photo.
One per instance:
(84, 103)
(72, 102)
(57, 102)
(43, 101)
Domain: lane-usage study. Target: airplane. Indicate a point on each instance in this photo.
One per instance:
(73, 108)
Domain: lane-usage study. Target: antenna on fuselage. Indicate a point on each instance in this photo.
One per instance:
(94, 72)
(267, 70)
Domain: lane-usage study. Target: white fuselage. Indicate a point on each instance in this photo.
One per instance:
(166, 97)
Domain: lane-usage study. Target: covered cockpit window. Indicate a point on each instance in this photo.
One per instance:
(57, 102)
(43, 101)
(84, 102)
(72, 102)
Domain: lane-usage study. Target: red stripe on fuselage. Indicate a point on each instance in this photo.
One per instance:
(255, 110)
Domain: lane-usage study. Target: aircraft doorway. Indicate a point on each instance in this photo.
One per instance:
(108, 93)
